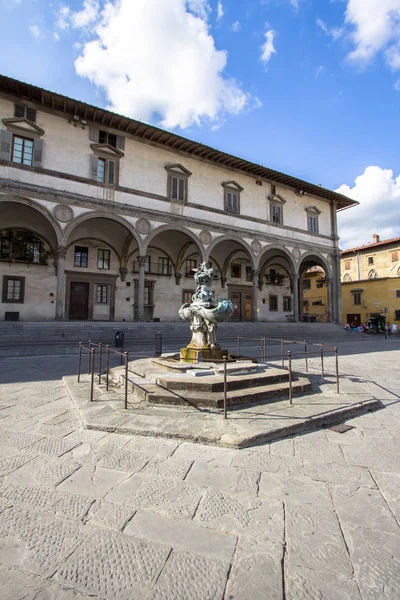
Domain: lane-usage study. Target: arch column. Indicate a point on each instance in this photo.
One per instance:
(329, 284)
(255, 275)
(140, 302)
(295, 290)
(61, 252)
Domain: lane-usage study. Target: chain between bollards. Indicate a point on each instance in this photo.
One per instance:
(225, 387)
(290, 378)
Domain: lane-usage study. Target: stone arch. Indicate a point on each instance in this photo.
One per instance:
(231, 238)
(51, 232)
(96, 239)
(171, 227)
(275, 250)
(309, 260)
(101, 215)
(373, 274)
(347, 278)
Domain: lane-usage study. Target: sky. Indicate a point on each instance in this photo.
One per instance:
(307, 87)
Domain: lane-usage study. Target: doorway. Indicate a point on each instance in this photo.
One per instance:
(79, 301)
(242, 304)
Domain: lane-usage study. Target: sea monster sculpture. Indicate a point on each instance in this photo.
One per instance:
(205, 311)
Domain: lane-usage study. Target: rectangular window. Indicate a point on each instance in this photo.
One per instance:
(397, 293)
(164, 267)
(147, 264)
(146, 300)
(312, 223)
(236, 271)
(13, 289)
(287, 304)
(276, 214)
(22, 150)
(347, 264)
(103, 259)
(107, 138)
(370, 260)
(102, 294)
(81, 256)
(231, 202)
(305, 303)
(395, 256)
(357, 297)
(187, 296)
(177, 188)
(4, 247)
(104, 170)
(249, 274)
(21, 111)
(273, 303)
(189, 266)
(397, 315)
(306, 284)
(34, 251)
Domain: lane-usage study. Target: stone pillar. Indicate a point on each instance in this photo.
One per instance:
(61, 252)
(295, 289)
(255, 289)
(140, 300)
(331, 310)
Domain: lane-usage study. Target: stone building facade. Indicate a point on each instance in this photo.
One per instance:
(104, 218)
(371, 282)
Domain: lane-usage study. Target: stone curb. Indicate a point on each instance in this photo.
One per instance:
(207, 427)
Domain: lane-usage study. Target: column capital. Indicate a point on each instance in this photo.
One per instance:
(142, 261)
(255, 273)
(123, 272)
(61, 251)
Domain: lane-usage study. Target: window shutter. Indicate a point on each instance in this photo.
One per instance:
(111, 172)
(120, 142)
(31, 114)
(174, 187)
(19, 110)
(93, 167)
(5, 144)
(93, 134)
(37, 153)
(181, 190)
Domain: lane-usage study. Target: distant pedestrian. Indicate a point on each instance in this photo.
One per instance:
(394, 328)
(387, 329)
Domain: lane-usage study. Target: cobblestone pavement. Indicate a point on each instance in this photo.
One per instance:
(90, 514)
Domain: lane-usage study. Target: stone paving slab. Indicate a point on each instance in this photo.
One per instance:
(244, 427)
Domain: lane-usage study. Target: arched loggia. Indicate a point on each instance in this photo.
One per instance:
(315, 289)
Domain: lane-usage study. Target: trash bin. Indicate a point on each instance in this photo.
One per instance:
(119, 339)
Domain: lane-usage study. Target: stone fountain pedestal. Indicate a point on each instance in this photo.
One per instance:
(195, 354)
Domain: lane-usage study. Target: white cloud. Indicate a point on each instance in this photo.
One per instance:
(375, 26)
(157, 60)
(220, 11)
(235, 26)
(78, 19)
(200, 8)
(56, 36)
(378, 192)
(267, 49)
(397, 85)
(295, 3)
(318, 71)
(35, 31)
(334, 32)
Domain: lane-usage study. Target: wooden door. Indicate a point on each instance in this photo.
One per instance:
(354, 318)
(236, 298)
(248, 307)
(79, 300)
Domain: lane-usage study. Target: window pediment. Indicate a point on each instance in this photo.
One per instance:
(276, 198)
(107, 149)
(22, 125)
(312, 209)
(233, 185)
(178, 169)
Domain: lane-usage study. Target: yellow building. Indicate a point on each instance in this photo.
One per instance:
(370, 277)
(314, 295)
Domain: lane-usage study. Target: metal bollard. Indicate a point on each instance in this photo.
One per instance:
(282, 352)
(264, 349)
(100, 357)
(305, 354)
(90, 341)
(322, 360)
(337, 369)
(225, 388)
(158, 344)
(126, 379)
(107, 364)
(92, 355)
(290, 378)
(238, 346)
(79, 361)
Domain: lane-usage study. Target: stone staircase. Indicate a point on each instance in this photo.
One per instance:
(143, 334)
(153, 382)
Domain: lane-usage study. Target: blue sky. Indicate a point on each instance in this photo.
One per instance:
(308, 87)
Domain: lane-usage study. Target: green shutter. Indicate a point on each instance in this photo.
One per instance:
(5, 144)
(93, 134)
(120, 142)
(111, 172)
(37, 153)
(93, 167)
